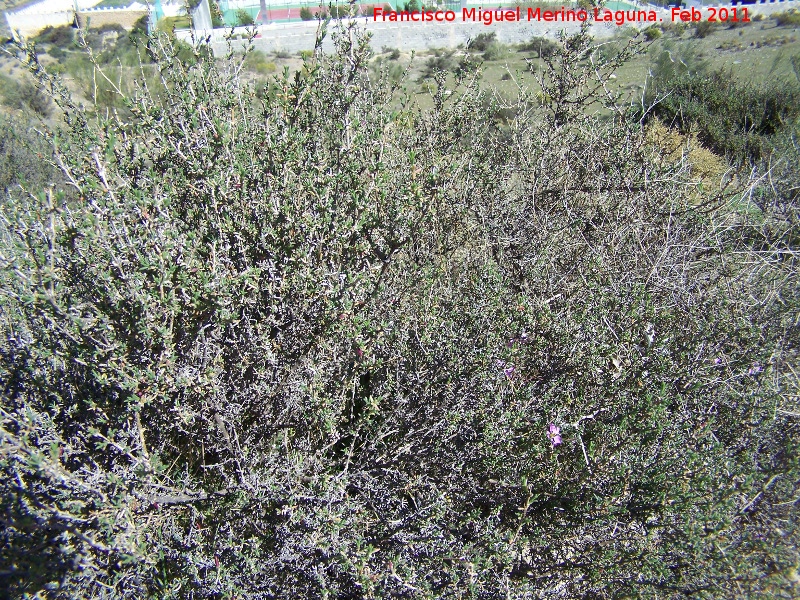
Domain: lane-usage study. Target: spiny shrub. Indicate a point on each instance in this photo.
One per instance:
(317, 343)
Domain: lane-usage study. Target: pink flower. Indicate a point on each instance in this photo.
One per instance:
(522, 339)
(554, 434)
(755, 369)
(508, 368)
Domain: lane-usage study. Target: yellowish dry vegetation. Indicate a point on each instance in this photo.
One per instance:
(708, 167)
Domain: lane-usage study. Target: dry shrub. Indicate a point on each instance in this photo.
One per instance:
(313, 345)
(704, 164)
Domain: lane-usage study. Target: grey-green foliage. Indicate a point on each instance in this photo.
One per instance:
(26, 96)
(304, 343)
(670, 59)
(389, 68)
(25, 156)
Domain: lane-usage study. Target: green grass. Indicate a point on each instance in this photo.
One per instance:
(756, 52)
(167, 24)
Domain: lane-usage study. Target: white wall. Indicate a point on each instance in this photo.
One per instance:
(30, 20)
(293, 37)
(30, 24)
(55, 6)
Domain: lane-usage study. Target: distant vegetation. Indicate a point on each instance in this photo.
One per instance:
(735, 120)
(790, 18)
(257, 62)
(25, 95)
(243, 17)
(542, 47)
(24, 158)
(62, 36)
(168, 24)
